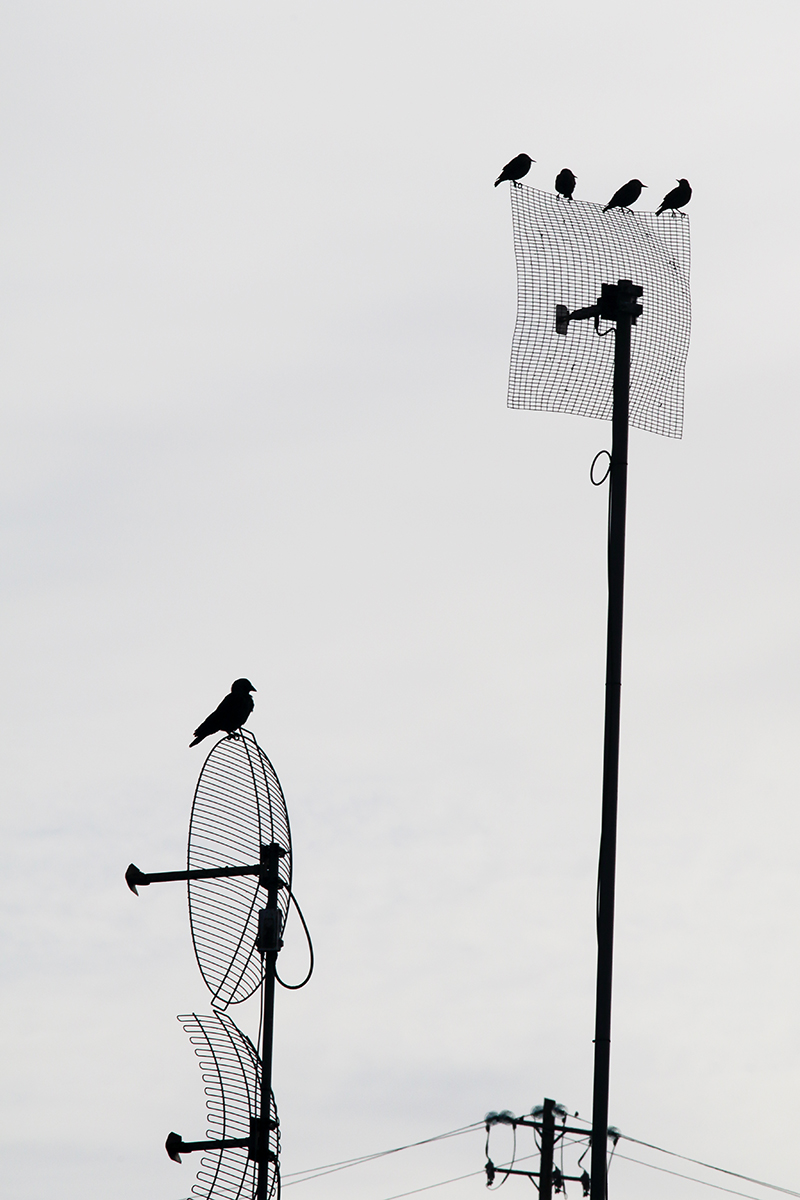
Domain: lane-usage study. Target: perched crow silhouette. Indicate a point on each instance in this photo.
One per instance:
(231, 714)
(679, 196)
(565, 183)
(627, 194)
(515, 169)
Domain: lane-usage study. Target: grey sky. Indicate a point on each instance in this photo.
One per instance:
(257, 304)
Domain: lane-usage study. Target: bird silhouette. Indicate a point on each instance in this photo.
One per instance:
(676, 199)
(565, 183)
(231, 714)
(627, 194)
(515, 169)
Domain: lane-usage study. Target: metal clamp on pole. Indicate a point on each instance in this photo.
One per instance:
(269, 931)
(268, 876)
(260, 1128)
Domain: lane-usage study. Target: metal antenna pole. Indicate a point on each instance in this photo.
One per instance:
(269, 942)
(626, 313)
(546, 1160)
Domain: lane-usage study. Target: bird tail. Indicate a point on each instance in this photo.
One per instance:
(498, 180)
(198, 739)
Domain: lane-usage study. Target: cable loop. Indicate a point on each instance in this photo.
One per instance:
(492, 1171)
(599, 482)
(294, 987)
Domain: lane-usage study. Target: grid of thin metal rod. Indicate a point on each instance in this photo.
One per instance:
(238, 806)
(565, 250)
(231, 1071)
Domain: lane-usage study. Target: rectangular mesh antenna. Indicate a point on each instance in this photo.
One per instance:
(565, 249)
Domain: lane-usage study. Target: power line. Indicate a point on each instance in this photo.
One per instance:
(312, 1173)
(430, 1186)
(664, 1170)
(694, 1179)
(455, 1179)
(330, 1168)
(709, 1166)
(697, 1162)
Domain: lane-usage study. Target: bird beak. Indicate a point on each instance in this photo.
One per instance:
(644, 185)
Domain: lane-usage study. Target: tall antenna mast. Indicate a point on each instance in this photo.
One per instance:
(566, 251)
(617, 304)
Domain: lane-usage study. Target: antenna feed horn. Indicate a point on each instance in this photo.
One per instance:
(173, 1146)
(136, 879)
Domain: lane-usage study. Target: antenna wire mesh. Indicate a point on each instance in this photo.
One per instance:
(565, 250)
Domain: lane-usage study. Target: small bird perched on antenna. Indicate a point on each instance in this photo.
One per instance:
(676, 199)
(629, 193)
(516, 169)
(565, 183)
(231, 714)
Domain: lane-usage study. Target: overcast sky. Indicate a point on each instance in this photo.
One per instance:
(257, 302)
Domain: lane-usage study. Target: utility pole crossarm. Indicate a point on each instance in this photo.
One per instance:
(536, 1174)
(560, 1129)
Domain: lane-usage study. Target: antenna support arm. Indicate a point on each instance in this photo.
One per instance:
(136, 878)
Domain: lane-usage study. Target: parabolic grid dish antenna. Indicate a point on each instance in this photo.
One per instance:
(238, 808)
(238, 812)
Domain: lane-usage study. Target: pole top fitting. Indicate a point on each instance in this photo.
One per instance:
(619, 300)
(616, 300)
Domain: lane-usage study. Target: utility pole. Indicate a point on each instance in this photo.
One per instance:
(546, 1158)
(543, 1121)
